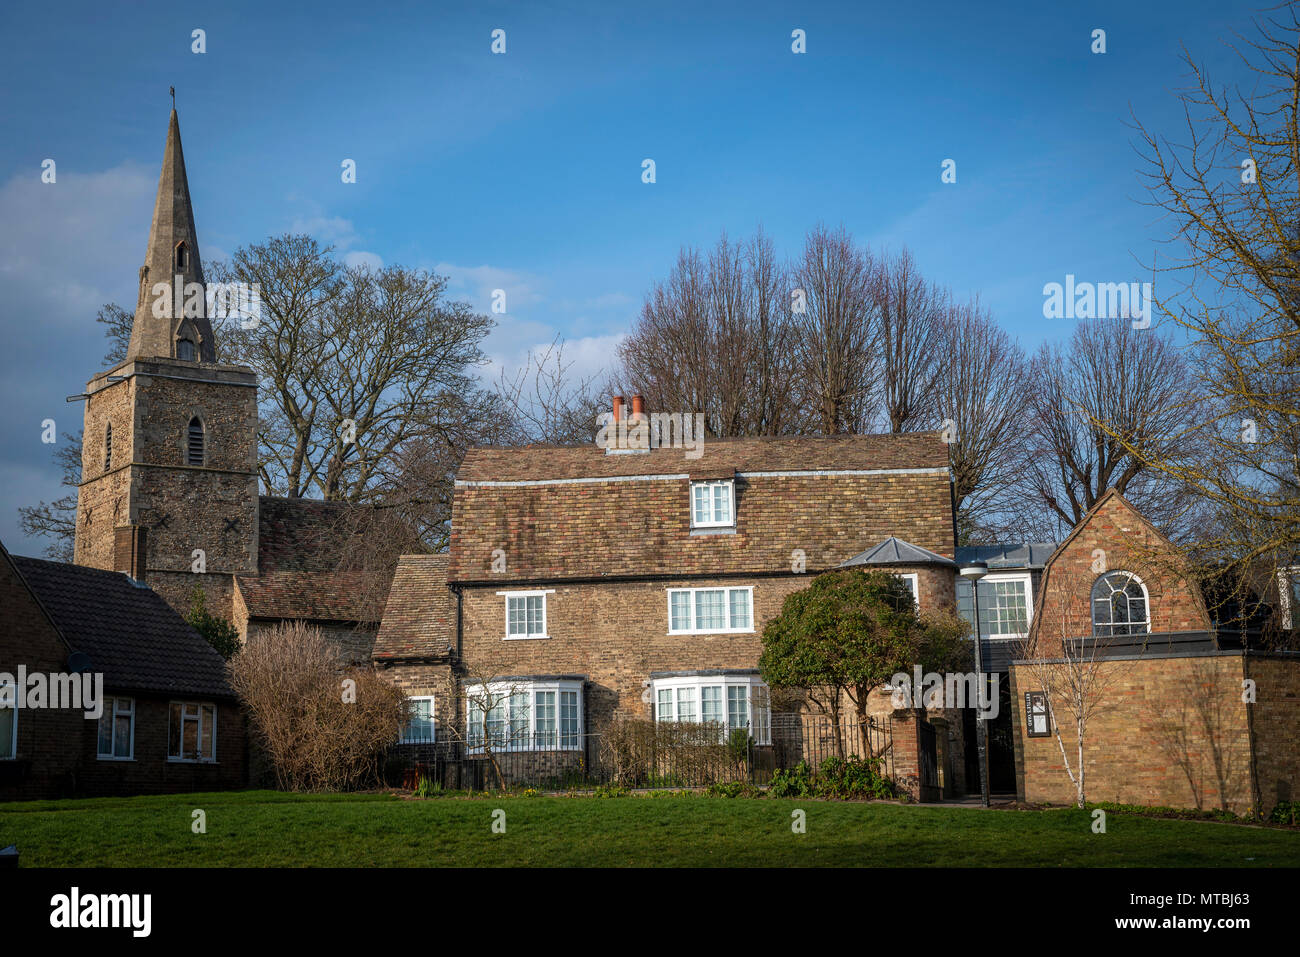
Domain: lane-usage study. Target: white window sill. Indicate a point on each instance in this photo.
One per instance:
(171, 760)
(713, 529)
(717, 631)
(115, 760)
(526, 637)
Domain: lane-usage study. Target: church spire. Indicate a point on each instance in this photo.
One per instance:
(160, 329)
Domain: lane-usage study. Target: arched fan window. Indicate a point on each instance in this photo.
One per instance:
(194, 448)
(108, 446)
(1119, 606)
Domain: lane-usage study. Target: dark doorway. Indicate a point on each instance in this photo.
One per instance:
(1001, 746)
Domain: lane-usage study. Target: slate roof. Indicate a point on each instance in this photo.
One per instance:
(1029, 555)
(419, 618)
(130, 633)
(895, 551)
(749, 454)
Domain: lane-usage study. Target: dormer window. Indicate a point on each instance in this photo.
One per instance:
(182, 255)
(713, 504)
(185, 350)
(194, 444)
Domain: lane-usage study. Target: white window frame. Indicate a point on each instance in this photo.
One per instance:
(111, 714)
(433, 722)
(535, 593)
(761, 731)
(212, 759)
(1092, 603)
(726, 590)
(13, 734)
(502, 692)
(913, 582)
(711, 521)
(1028, 580)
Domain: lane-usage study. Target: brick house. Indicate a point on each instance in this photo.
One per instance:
(170, 448)
(1186, 714)
(583, 584)
(169, 721)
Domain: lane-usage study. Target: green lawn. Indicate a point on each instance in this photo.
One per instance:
(264, 828)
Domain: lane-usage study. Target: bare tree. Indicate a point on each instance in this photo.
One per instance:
(836, 331)
(543, 402)
(1113, 388)
(322, 727)
(57, 520)
(914, 317)
(981, 393)
(715, 338)
(1229, 281)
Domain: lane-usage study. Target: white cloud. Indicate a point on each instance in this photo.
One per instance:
(360, 258)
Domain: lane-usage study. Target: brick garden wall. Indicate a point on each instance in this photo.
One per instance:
(1169, 731)
(1276, 719)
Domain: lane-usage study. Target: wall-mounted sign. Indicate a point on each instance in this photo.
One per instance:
(1036, 722)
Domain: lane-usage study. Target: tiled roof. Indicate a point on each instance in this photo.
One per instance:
(577, 513)
(301, 534)
(418, 619)
(318, 596)
(130, 633)
(895, 551)
(754, 454)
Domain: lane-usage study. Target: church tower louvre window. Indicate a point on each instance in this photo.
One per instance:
(108, 446)
(194, 446)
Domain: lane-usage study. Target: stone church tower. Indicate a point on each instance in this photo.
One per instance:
(169, 488)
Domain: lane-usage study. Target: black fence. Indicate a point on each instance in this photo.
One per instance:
(636, 754)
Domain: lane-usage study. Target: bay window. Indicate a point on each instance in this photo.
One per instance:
(525, 715)
(732, 702)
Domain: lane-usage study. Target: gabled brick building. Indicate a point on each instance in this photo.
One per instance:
(170, 721)
(1183, 714)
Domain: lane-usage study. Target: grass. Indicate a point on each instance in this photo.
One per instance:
(270, 829)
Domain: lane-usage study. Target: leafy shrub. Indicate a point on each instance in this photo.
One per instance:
(792, 782)
(733, 789)
(610, 791)
(1286, 812)
(219, 633)
(835, 778)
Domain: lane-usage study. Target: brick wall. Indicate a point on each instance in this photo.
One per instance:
(44, 765)
(1276, 719)
(1168, 731)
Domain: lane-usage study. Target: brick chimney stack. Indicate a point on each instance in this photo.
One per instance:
(129, 549)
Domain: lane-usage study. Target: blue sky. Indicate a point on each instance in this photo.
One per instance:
(522, 171)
